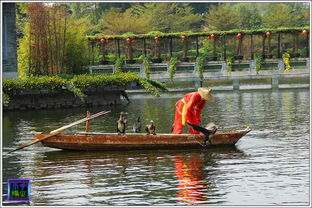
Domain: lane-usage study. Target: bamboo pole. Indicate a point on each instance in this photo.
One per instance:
(118, 48)
(64, 42)
(214, 47)
(224, 48)
(251, 47)
(279, 46)
(88, 121)
(263, 44)
(144, 46)
(308, 45)
(59, 130)
(170, 47)
(92, 45)
(197, 47)
(269, 45)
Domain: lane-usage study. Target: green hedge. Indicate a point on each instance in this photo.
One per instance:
(198, 34)
(80, 82)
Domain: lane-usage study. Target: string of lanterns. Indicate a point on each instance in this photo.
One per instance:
(212, 36)
(104, 40)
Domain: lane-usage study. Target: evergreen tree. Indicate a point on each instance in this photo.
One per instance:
(280, 15)
(170, 17)
(114, 21)
(202, 8)
(249, 15)
(302, 12)
(223, 17)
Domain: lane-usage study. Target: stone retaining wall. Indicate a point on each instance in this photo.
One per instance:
(31, 100)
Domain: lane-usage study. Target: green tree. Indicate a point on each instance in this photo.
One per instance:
(279, 15)
(201, 8)
(249, 15)
(114, 21)
(21, 19)
(76, 51)
(80, 10)
(302, 11)
(53, 42)
(223, 17)
(169, 17)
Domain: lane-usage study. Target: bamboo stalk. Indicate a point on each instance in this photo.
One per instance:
(170, 47)
(224, 48)
(263, 45)
(64, 41)
(197, 47)
(50, 49)
(30, 49)
(144, 46)
(269, 44)
(213, 48)
(46, 64)
(308, 45)
(55, 40)
(279, 46)
(251, 46)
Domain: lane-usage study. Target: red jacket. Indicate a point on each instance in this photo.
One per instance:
(194, 107)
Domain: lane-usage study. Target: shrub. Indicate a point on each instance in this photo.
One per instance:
(173, 66)
(78, 83)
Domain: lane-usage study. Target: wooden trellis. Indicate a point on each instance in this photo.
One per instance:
(168, 45)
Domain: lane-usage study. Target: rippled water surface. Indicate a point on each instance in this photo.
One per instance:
(268, 166)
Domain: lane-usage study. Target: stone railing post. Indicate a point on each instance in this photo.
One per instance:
(281, 65)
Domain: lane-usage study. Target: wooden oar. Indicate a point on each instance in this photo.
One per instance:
(59, 130)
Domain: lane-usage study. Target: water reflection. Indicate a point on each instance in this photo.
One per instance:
(192, 186)
(269, 166)
(133, 177)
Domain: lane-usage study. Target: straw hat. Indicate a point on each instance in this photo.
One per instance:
(206, 94)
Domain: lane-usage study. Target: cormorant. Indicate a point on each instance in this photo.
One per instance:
(150, 129)
(137, 126)
(209, 130)
(122, 124)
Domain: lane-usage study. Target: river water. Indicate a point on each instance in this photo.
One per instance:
(268, 166)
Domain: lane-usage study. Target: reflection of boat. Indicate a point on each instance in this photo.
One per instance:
(111, 141)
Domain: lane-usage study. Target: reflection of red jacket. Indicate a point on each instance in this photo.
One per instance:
(192, 185)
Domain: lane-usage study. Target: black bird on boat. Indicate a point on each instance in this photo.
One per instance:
(137, 126)
(209, 130)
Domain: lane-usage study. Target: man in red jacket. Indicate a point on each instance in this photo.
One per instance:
(189, 108)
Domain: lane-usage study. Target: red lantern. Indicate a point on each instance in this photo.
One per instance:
(239, 35)
(156, 38)
(128, 39)
(102, 40)
(183, 37)
(107, 41)
(212, 36)
(268, 33)
(133, 41)
(304, 32)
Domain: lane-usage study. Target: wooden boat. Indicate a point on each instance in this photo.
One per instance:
(134, 141)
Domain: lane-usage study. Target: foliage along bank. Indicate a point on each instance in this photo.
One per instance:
(78, 83)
